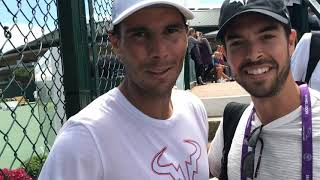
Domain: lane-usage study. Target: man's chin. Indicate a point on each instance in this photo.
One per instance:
(261, 90)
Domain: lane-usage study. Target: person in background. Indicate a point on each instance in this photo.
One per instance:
(227, 69)
(205, 53)
(277, 136)
(141, 129)
(219, 67)
(299, 62)
(194, 53)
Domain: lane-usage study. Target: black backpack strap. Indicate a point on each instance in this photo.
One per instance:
(314, 54)
(231, 116)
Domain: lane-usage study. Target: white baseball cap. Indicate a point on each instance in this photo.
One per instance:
(121, 9)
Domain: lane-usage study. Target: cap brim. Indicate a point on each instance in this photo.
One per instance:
(185, 11)
(278, 17)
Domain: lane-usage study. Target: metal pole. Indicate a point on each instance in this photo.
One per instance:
(186, 72)
(75, 55)
(95, 82)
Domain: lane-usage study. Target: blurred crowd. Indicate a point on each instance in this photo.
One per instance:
(210, 64)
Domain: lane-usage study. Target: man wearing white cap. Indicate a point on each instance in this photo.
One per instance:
(141, 129)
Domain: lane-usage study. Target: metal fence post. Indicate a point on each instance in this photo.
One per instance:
(95, 82)
(186, 72)
(75, 55)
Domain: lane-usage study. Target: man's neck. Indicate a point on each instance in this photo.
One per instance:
(158, 107)
(272, 108)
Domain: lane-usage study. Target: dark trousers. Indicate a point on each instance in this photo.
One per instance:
(208, 70)
(199, 70)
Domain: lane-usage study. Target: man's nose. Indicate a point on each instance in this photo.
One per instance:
(254, 51)
(158, 47)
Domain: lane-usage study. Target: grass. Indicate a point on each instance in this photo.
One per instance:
(23, 132)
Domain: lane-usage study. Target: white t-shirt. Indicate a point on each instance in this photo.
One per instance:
(299, 63)
(111, 139)
(281, 156)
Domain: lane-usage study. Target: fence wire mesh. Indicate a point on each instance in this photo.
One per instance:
(108, 71)
(32, 103)
(31, 91)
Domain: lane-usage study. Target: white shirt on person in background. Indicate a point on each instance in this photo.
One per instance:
(299, 63)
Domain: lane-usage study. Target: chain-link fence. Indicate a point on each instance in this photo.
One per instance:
(108, 71)
(33, 91)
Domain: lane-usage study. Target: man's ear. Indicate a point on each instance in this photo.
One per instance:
(115, 46)
(224, 52)
(292, 41)
(114, 40)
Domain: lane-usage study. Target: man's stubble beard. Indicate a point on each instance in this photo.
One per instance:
(270, 90)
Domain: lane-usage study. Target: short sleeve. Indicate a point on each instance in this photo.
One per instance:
(73, 156)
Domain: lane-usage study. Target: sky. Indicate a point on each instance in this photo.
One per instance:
(21, 29)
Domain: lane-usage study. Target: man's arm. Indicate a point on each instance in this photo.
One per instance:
(73, 156)
(215, 152)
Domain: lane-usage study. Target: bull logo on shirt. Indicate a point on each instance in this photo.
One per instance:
(177, 173)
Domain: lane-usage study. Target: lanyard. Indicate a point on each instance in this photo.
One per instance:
(306, 116)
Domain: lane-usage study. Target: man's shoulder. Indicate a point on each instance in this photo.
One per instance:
(315, 97)
(186, 99)
(192, 40)
(314, 93)
(315, 105)
(184, 95)
(204, 40)
(101, 109)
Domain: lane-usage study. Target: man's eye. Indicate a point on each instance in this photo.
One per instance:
(268, 36)
(235, 43)
(139, 34)
(172, 30)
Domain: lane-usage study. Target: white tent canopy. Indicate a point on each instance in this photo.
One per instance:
(211, 34)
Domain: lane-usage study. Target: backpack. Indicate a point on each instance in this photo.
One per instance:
(231, 116)
(314, 56)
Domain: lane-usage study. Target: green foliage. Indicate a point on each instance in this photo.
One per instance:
(23, 74)
(34, 165)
